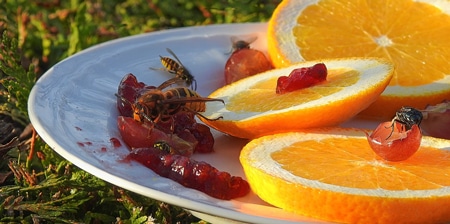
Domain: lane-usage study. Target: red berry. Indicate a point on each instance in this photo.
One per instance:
(245, 62)
(190, 173)
(204, 137)
(302, 78)
(186, 135)
(141, 135)
(129, 89)
(395, 143)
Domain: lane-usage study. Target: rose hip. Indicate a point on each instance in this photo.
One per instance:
(165, 146)
(181, 124)
(138, 135)
(192, 174)
(245, 62)
(186, 127)
(395, 143)
(129, 90)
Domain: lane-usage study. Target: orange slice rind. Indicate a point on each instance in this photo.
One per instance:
(332, 174)
(253, 109)
(411, 34)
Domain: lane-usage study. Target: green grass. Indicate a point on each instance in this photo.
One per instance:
(41, 186)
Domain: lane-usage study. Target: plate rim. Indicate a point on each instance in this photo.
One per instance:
(198, 206)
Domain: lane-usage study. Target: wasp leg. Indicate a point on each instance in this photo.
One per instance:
(392, 126)
(201, 115)
(123, 99)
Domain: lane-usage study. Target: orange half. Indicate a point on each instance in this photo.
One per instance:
(333, 174)
(413, 35)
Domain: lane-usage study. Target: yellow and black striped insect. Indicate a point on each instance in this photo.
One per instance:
(163, 146)
(175, 66)
(156, 105)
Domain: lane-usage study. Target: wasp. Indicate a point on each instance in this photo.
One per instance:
(164, 147)
(239, 44)
(408, 116)
(175, 66)
(156, 105)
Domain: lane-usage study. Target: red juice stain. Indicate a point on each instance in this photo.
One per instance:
(82, 144)
(126, 159)
(115, 142)
(103, 149)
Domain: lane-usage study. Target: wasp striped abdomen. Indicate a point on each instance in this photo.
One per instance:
(155, 104)
(175, 66)
(194, 101)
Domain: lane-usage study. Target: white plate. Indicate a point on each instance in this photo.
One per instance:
(73, 108)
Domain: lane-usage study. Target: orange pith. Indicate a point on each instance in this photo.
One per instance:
(263, 96)
(411, 34)
(332, 174)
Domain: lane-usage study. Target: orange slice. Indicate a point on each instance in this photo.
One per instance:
(414, 35)
(332, 174)
(252, 108)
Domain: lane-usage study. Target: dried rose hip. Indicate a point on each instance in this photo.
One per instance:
(302, 78)
(139, 135)
(181, 125)
(165, 146)
(190, 173)
(204, 137)
(186, 127)
(129, 90)
(392, 142)
(245, 62)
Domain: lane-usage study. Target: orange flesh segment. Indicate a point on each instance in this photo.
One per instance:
(421, 48)
(261, 97)
(334, 160)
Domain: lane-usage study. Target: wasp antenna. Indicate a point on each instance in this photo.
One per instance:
(123, 99)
